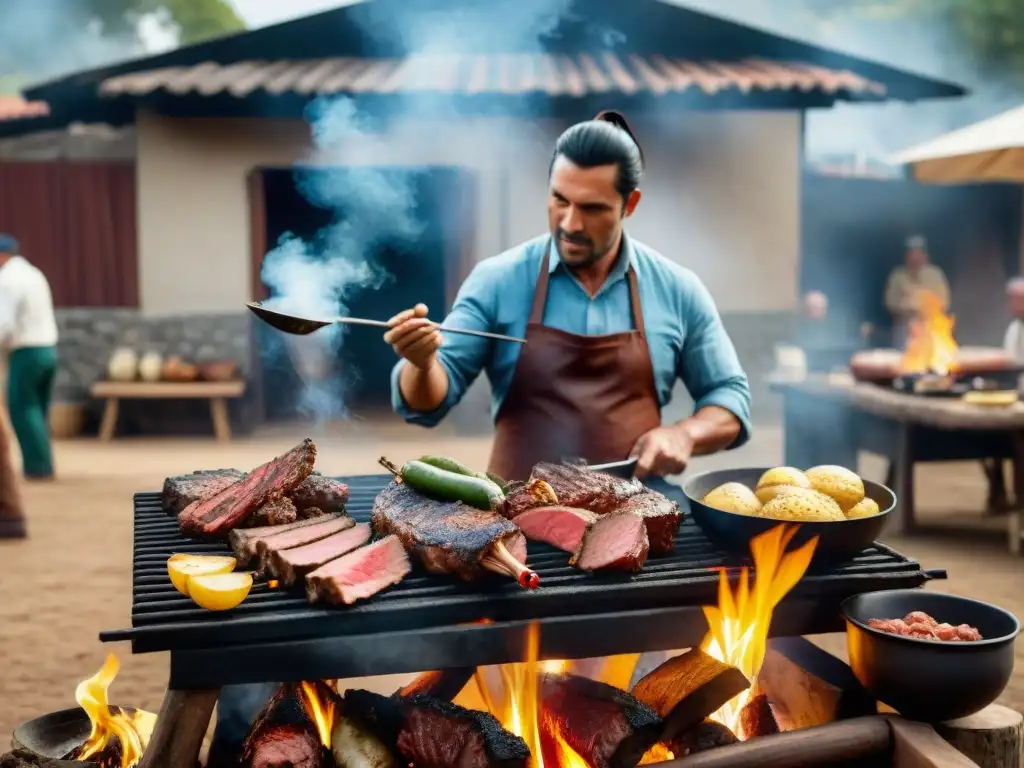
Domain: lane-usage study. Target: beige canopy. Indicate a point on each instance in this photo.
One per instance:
(992, 150)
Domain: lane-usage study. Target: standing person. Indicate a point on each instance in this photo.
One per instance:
(1013, 340)
(916, 274)
(28, 330)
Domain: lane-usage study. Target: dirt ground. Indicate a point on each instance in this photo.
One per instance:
(72, 577)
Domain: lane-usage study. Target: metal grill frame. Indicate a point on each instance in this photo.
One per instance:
(435, 622)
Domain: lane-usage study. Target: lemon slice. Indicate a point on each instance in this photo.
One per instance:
(182, 567)
(1000, 398)
(219, 592)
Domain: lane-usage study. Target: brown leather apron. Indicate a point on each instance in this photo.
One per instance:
(590, 397)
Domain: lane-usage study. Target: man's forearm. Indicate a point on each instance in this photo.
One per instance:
(423, 390)
(711, 429)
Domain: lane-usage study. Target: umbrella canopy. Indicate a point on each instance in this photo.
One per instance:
(992, 150)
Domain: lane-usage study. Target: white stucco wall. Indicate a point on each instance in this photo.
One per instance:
(722, 197)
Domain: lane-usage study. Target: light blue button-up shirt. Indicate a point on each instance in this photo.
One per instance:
(684, 331)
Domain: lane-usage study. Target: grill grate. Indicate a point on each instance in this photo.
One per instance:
(163, 620)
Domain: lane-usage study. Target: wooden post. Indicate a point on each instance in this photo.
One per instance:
(221, 421)
(109, 423)
(180, 728)
(916, 745)
(993, 738)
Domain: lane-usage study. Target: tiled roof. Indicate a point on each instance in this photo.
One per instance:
(508, 74)
(16, 108)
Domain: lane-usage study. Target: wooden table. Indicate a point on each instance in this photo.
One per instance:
(217, 392)
(829, 418)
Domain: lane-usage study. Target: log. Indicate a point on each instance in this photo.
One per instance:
(180, 727)
(441, 684)
(833, 743)
(757, 719)
(917, 745)
(993, 738)
(808, 686)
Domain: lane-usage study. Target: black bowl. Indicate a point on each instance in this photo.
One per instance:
(837, 542)
(56, 734)
(930, 680)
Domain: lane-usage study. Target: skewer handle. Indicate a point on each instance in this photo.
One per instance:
(527, 579)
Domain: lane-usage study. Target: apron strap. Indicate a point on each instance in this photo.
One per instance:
(540, 291)
(634, 301)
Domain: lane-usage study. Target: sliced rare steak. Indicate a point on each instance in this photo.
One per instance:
(320, 492)
(616, 542)
(243, 540)
(217, 515)
(447, 537)
(431, 733)
(662, 517)
(359, 574)
(606, 726)
(577, 486)
(182, 490)
(299, 537)
(561, 527)
(290, 565)
(277, 512)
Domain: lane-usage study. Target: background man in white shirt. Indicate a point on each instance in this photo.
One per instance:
(28, 332)
(1013, 341)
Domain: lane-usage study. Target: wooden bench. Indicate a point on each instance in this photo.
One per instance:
(217, 392)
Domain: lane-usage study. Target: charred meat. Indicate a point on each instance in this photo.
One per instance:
(283, 735)
(447, 537)
(605, 725)
(320, 492)
(359, 574)
(290, 565)
(561, 527)
(277, 512)
(217, 515)
(182, 490)
(662, 517)
(244, 541)
(615, 542)
(576, 486)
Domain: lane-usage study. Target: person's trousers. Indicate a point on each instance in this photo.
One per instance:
(12, 514)
(31, 372)
(237, 709)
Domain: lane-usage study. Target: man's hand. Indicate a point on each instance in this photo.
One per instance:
(663, 451)
(414, 338)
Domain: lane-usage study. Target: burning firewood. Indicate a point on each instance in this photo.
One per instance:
(292, 730)
(707, 735)
(686, 689)
(440, 684)
(757, 719)
(604, 725)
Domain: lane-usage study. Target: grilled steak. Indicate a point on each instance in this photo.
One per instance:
(320, 492)
(605, 725)
(277, 512)
(300, 536)
(243, 540)
(217, 515)
(283, 734)
(447, 537)
(181, 490)
(431, 733)
(290, 565)
(577, 486)
(615, 542)
(662, 517)
(561, 527)
(523, 496)
(359, 574)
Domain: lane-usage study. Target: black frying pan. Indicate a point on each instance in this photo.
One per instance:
(837, 542)
(55, 735)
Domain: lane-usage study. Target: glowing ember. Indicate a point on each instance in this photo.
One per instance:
(320, 708)
(272, 583)
(738, 625)
(118, 738)
(931, 347)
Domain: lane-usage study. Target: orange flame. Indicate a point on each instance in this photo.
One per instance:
(738, 625)
(112, 727)
(320, 709)
(931, 347)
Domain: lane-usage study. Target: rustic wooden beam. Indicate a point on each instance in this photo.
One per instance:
(441, 684)
(916, 745)
(180, 728)
(993, 738)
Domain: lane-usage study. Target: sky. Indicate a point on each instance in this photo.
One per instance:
(260, 13)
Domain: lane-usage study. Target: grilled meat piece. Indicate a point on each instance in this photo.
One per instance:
(283, 734)
(615, 542)
(605, 725)
(300, 537)
(181, 490)
(244, 540)
(217, 515)
(277, 512)
(447, 537)
(359, 574)
(523, 496)
(561, 527)
(662, 517)
(312, 513)
(577, 486)
(318, 491)
(431, 733)
(708, 735)
(290, 565)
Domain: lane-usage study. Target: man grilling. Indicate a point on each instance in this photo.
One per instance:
(907, 282)
(610, 326)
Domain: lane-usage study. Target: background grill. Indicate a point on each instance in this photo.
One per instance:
(413, 626)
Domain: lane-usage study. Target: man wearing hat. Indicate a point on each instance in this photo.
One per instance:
(28, 333)
(906, 282)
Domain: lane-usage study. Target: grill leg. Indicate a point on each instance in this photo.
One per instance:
(180, 728)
